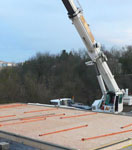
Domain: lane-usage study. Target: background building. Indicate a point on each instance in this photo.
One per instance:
(6, 64)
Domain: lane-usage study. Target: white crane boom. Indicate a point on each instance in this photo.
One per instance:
(99, 59)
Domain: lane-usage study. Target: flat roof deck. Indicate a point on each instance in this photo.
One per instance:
(66, 127)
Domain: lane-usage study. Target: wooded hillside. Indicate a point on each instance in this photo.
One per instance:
(46, 77)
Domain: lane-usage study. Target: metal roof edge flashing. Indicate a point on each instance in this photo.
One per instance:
(32, 142)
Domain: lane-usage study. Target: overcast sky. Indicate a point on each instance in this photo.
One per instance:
(31, 26)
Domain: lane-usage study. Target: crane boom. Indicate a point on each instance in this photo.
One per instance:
(96, 55)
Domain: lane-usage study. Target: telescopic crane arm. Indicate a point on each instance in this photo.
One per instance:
(96, 55)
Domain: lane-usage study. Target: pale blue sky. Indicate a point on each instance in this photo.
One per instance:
(31, 26)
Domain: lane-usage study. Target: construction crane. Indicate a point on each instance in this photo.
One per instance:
(113, 96)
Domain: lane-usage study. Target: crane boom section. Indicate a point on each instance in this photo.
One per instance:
(87, 28)
(96, 55)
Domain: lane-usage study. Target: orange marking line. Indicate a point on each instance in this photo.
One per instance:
(14, 123)
(126, 126)
(42, 117)
(26, 117)
(63, 130)
(105, 135)
(7, 116)
(79, 115)
(11, 106)
(40, 110)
